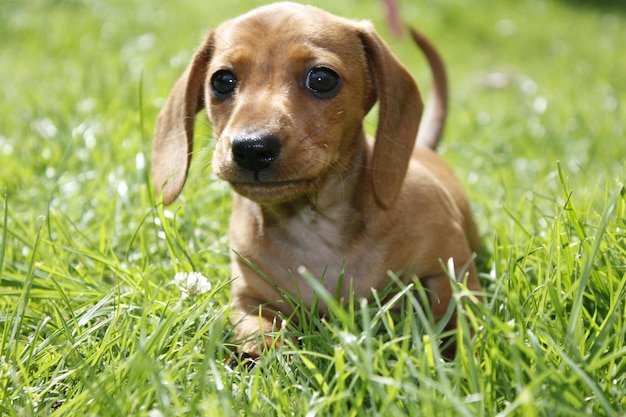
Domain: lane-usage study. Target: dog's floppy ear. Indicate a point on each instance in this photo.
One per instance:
(173, 133)
(400, 112)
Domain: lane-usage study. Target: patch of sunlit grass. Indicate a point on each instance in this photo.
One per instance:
(113, 305)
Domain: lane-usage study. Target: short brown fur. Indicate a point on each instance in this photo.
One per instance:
(331, 195)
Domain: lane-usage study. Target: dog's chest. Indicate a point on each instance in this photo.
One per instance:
(326, 244)
(311, 238)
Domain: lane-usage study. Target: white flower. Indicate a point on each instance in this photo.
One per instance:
(192, 284)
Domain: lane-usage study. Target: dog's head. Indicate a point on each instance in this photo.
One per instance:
(286, 88)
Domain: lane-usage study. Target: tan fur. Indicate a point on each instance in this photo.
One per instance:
(331, 195)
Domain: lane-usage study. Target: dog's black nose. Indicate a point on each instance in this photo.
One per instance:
(255, 153)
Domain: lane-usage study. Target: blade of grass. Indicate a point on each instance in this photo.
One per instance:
(575, 315)
(13, 343)
(5, 228)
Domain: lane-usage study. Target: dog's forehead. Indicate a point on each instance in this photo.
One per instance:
(287, 24)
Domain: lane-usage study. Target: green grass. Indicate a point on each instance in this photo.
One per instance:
(93, 323)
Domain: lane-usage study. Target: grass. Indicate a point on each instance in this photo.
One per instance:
(92, 321)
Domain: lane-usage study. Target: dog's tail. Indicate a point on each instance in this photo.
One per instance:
(436, 110)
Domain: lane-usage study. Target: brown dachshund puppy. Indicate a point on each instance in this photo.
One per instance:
(286, 88)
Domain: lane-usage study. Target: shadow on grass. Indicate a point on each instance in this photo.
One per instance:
(606, 6)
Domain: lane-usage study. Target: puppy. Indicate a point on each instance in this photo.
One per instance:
(286, 88)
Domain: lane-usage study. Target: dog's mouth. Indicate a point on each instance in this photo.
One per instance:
(273, 191)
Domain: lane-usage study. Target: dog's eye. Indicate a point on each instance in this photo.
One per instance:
(322, 82)
(223, 83)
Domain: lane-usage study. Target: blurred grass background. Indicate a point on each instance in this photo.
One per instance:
(535, 85)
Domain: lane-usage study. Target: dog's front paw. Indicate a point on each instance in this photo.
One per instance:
(242, 360)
